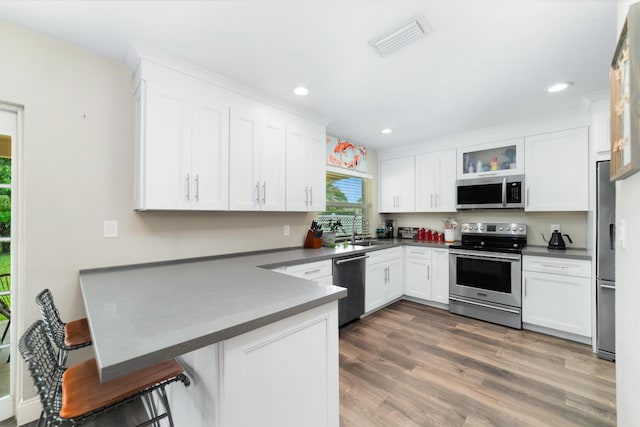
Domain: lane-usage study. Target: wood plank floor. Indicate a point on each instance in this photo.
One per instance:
(413, 365)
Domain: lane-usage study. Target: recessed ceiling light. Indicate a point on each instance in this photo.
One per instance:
(386, 131)
(301, 91)
(559, 87)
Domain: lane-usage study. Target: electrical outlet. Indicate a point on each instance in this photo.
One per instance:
(555, 227)
(287, 230)
(110, 228)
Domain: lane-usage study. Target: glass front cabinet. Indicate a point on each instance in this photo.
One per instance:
(493, 159)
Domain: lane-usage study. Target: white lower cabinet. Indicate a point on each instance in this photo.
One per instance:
(418, 272)
(440, 275)
(556, 295)
(284, 374)
(384, 278)
(319, 271)
(427, 274)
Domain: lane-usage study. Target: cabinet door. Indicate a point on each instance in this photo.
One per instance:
(395, 280)
(418, 278)
(557, 302)
(305, 167)
(446, 196)
(166, 150)
(426, 182)
(407, 190)
(557, 171)
(316, 168)
(210, 153)
(284, 374)
(244, 184)
(272, 152)
(388, 184)
(397, 185)
(375, 283)
(440, 277)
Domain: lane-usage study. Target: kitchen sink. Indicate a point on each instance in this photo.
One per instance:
(370, 242)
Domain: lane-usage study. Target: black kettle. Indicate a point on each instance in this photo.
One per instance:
(556, 241)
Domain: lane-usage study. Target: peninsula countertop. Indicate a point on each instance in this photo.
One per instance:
(142, 314)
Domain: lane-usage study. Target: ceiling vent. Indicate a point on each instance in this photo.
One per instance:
(393, 40)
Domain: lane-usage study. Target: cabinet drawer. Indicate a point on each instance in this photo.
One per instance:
(562, 266)
(417, 252)
(312, 270)
(384, 255)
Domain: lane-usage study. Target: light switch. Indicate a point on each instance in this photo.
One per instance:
(622, 238)
(110, 228)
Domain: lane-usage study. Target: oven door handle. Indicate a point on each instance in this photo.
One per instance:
(475, 255)
(484, 305)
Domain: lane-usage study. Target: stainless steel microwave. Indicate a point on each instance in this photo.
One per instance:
(495, 192)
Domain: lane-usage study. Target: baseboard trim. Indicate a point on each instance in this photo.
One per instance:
(28, 410)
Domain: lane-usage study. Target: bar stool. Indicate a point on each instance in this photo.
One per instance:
(76, 395)
(66, 336)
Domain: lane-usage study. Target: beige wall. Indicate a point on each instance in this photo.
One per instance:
(77, 171)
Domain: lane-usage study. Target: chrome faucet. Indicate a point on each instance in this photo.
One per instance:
(353, 227)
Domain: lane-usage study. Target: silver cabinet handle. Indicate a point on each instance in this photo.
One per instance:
(428, 272)
(436, 200)
(188, 180)
(554, 266)
(431, 199)
(310, 196)
(525, 286)
(527, 196)
(264, 192)
(258, 192)
(317, 270)
(197, 187)
(306, 194)
(389, 274)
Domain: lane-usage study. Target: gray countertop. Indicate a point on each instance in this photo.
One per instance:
(570, 253)
(143, 314)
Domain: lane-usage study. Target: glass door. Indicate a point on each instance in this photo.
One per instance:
(8, 137)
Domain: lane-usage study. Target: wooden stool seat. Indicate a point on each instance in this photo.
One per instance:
(82, 391)
(77, 332)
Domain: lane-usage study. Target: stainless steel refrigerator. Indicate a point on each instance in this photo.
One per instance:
(605, 258)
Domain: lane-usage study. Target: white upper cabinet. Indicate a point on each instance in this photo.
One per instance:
(182, 143)
(436, 182)
(494, 159)
(306, 188)
(397, 185)
(256, 157)
(557, 171)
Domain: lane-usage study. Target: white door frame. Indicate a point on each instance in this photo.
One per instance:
(11, 119)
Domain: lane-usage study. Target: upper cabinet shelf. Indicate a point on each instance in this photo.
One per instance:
(494, 159)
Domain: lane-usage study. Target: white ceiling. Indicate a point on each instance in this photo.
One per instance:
(487, 62)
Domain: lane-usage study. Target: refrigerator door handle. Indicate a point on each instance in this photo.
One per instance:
(607, 286)
(612, 236)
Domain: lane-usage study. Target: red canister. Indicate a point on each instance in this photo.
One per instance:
(436, 236)
(422, 234)
(429, 235)
(440, 237)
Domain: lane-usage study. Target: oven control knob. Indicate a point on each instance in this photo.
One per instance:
(501, 228)
(475, 228)
(481, 228)
(507, 229)
(521, 229)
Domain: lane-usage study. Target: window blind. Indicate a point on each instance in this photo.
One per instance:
(347, 197)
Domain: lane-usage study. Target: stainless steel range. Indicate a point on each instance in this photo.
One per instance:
(485, 274)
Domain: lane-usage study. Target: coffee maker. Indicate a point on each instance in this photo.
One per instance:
(390, 226)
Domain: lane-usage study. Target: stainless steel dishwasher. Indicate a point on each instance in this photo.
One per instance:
(349, 272)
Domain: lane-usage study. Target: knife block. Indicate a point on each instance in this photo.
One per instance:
(312, 242)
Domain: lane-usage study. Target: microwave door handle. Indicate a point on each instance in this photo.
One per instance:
(504, 192)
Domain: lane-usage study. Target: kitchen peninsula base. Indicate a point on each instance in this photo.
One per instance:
(280, 375)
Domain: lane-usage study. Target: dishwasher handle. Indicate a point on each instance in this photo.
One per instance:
(344, 260)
